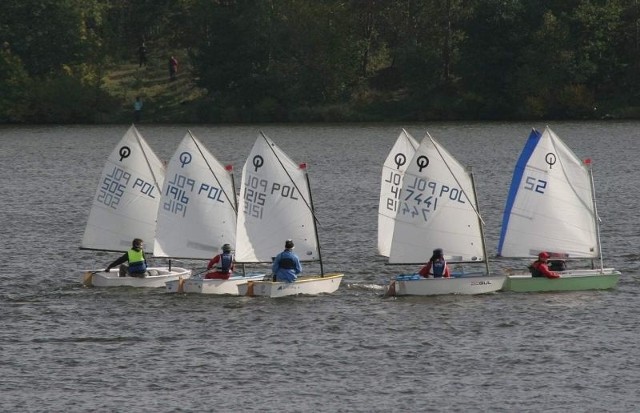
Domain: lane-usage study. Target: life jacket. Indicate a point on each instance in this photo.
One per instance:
(287, 263)
(437, 267)
(533, 269)
(224, 265)
(136, 261)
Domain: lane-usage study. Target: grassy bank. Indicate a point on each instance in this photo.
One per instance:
(164, 100)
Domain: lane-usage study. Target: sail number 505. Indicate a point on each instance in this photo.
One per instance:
(533, 184)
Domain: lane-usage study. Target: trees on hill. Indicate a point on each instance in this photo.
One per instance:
(272, 60)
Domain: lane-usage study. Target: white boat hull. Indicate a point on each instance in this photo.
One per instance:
(468, 285)
(113, 279)
(572, 280)
(212, 286)
(311, 285)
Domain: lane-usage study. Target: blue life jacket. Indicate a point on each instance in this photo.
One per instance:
(224, 265)
(438, 267)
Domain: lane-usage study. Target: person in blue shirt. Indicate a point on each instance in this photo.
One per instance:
(286, 265)
(137, 109)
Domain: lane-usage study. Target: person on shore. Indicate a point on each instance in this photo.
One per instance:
(221, 266)
(540, 267)
(137, 109)
(286, 265)
(137, 264)
(142, 55)
(436, 267)
(173, 68)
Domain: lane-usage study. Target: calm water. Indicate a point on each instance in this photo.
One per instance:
(69, 348)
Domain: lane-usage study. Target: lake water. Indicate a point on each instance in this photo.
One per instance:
(75, 349)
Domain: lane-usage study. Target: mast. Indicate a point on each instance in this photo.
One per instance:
(596, 218)
(484, 244)
(303, 166)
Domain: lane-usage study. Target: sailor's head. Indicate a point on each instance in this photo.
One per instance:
(543, 256)
(226, 248)
(288, 244)
(137, 243)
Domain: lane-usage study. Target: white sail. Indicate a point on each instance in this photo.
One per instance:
(275, 205)
(437, 209)
(197, 212)
(126, 201)
(390, 186)
(550, 204)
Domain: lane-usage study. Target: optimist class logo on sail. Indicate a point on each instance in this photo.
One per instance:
(115, 183)
(258, 191)
(181, 188)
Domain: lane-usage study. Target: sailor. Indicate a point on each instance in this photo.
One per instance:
(286, 265)
(221, 266)
(436, 267)
(137, 264)
(540, 268)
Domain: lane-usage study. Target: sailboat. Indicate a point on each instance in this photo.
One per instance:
(390, 185)
(276, 205)
(551, 207)
(124, 207)
(197, 216)
(437, 209)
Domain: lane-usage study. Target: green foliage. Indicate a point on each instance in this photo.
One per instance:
(309, 60)
(14, 81)
(66, 99)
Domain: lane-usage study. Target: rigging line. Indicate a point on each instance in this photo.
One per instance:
(456, 179)
(140, 139)
(310, 207)
(235, 208)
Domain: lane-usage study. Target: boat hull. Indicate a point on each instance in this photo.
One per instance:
(112, 278)
(575, 280)
(311, 285)
(469, 285)
(211, 286)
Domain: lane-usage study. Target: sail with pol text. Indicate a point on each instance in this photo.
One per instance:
(124, 208)
(438, 210)
(197, 213)
(127, 198)
(276, 206)
(393, 170)
(197, 217)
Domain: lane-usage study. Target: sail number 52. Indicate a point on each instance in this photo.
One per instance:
(536, 185)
